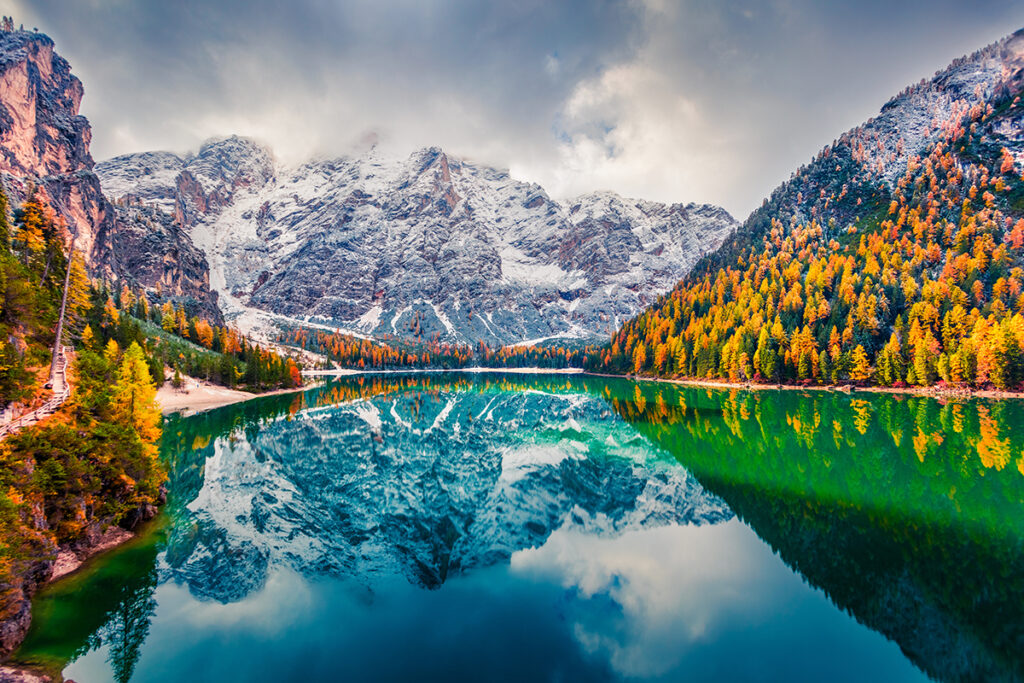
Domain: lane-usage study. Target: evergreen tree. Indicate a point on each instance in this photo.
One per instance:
(134, 397)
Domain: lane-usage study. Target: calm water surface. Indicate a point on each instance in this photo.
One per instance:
(495, 527)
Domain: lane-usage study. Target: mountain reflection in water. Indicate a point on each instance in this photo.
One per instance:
(554, 511)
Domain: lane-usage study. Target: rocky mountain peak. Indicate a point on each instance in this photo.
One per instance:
(920, 115)
(234, 160)
(41, 132)
(428, 246)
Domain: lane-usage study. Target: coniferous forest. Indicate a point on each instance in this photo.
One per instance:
(848, 281)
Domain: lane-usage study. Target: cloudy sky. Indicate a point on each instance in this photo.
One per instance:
(683, 100)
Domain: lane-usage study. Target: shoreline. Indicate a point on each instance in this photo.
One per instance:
(349, 372)
(70, 560)
(931, 392)
(848, 388)
(197, 396)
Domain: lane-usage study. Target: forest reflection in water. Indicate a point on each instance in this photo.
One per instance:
(904, 510)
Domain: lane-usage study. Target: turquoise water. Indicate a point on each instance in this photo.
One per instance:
(490, 527)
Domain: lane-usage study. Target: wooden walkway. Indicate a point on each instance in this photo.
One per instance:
(61, 393)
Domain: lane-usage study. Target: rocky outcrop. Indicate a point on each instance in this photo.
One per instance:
(44, 145)
(427, 246)
(16, 605)
(51, 562)
(153, 249)
(13, 675)
(44, 142)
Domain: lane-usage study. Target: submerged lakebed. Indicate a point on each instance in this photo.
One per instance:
(518, 527)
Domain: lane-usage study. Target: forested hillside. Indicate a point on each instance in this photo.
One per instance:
(865, 269)
(392, 352)
(65, 480)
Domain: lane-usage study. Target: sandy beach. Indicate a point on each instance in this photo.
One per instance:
(196, 396)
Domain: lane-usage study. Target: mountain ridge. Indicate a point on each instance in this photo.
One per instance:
(915, 111)
(428, 246)
(876, 262)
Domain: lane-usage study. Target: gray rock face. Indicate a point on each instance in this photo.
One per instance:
(152, 248)
(427, 246)
(44, 143)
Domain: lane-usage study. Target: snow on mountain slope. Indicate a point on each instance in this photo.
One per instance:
(428, 245)
(921, 114)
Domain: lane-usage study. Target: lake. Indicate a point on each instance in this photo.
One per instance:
(564, 528)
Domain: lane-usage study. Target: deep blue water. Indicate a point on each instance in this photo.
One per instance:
(551, 529)
(708, 603)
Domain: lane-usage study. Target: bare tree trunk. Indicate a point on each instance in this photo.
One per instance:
(49, 260)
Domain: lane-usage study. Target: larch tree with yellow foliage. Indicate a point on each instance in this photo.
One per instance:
(134, 400)
(861, 369)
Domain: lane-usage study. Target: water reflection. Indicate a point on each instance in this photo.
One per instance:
(568, 541)
(704, 604)
(904, 510)
(545, 617)
(108, 606)
(426, 485)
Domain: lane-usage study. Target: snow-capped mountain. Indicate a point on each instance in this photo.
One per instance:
(429, 245)
(924, 113)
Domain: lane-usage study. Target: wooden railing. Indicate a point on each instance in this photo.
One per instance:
(61, 393)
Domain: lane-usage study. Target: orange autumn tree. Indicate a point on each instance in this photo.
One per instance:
(849, 275)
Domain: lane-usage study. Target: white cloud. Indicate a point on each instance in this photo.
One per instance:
(629, 129)
(676, 587)
(674, 100)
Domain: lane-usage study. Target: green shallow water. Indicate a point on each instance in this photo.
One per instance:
(493, 527)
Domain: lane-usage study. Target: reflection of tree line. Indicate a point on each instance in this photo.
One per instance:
(956, 462)
(182, 436)
(903, 510)
(110, 605)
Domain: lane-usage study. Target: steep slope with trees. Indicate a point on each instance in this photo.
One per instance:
(44, 152)
(896, 257)
(69, 481)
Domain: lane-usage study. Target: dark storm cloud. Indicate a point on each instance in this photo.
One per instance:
(707, 101)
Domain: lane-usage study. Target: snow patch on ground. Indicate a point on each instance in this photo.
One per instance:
(371, 319)
(443, 318)
(518, 267)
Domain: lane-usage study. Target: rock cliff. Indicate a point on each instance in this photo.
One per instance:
(44, 145)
